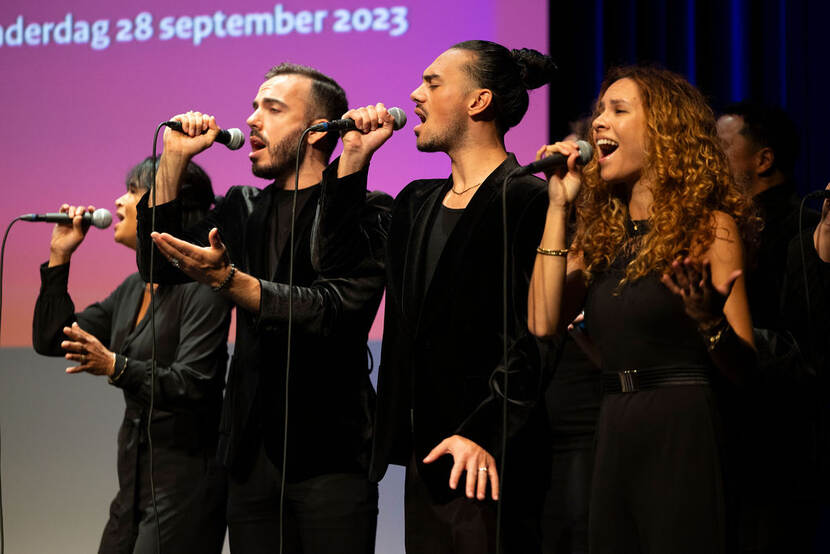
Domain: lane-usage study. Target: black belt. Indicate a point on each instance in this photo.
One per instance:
(633, 380)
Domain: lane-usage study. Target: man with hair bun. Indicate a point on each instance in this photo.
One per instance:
(440, 386)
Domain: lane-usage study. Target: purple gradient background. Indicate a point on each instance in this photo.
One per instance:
(76, 119)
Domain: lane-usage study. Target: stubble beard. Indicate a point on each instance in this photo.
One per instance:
(281, 157)
(443, 140)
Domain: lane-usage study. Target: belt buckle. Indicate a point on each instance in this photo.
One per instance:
(629, 380)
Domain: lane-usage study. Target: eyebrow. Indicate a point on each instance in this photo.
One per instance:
(429, 77)
(269, 101)
(613, 102)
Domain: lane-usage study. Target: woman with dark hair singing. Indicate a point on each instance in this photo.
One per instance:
(657, 265)
(113, 338)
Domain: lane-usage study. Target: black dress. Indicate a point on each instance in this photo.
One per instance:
(657, 483)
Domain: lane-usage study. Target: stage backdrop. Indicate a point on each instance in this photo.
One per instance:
(85, 83)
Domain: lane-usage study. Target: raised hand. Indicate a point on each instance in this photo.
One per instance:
(703, 301)
(190, 141)
(92, 356)
(470, 457)
(208, 265)
(374, 126)
(563, 182)
(66, 237)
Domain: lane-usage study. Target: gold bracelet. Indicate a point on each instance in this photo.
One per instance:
(714, 334)
(116, 376)
(551, 252)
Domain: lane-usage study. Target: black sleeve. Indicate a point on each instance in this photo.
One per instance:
(342, 291)
(198, 370)
(525, 353)
(350, 220)
(55, 310)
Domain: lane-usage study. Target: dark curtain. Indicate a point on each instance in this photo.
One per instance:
(771, 51)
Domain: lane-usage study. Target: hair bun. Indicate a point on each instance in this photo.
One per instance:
(536, 69)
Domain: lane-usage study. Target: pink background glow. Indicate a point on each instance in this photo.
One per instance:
(76, 119)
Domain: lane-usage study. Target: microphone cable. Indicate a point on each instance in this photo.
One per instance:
(289, 328)
(2, 258)
(154, 341)
(505, 359)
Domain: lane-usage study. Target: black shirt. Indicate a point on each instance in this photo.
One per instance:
(442, 227)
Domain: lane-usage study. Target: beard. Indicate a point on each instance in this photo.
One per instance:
(443, 139)
(281, 158)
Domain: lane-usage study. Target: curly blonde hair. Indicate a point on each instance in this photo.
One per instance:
(690, 179)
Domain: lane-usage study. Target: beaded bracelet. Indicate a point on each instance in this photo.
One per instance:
(227, 280)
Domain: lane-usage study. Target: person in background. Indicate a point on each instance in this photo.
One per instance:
(113, 339)
(775, 491)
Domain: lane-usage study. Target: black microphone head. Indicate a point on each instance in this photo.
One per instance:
(586, 152)
(400, 117)
(101, 218)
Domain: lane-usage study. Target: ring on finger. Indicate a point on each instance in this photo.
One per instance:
(174, 262)
(483, 468)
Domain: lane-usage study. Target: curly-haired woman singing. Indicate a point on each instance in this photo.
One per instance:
(657, 265)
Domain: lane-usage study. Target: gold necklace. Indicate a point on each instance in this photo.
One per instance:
(452, 190)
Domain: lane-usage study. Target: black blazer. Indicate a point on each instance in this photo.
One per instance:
(442, 343)
(330, 394)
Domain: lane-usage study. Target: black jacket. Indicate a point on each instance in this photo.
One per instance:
(330, 395)
(442, 347)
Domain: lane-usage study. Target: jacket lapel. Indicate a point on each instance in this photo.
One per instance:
(452, 269)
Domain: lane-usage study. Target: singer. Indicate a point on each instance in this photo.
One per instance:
(113, 338)
(440, 387)
(657, 263)
(242, 250)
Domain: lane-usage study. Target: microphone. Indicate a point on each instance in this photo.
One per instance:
(348, 125)
(819, 194)
(100, 218)
(556, 159)
(232, 138)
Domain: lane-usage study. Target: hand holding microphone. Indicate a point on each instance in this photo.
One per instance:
(72, 224)
(191, 132)
(373, 126)
(559, 161)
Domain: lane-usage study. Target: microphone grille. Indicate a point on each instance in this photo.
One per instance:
(101, 218)
(237, 139)
(400, 117)
(586, 152)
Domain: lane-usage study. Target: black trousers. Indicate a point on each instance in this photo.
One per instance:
(329, 514)
(657, 483)
(464, 525)
(190, 496)
(565, 513)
